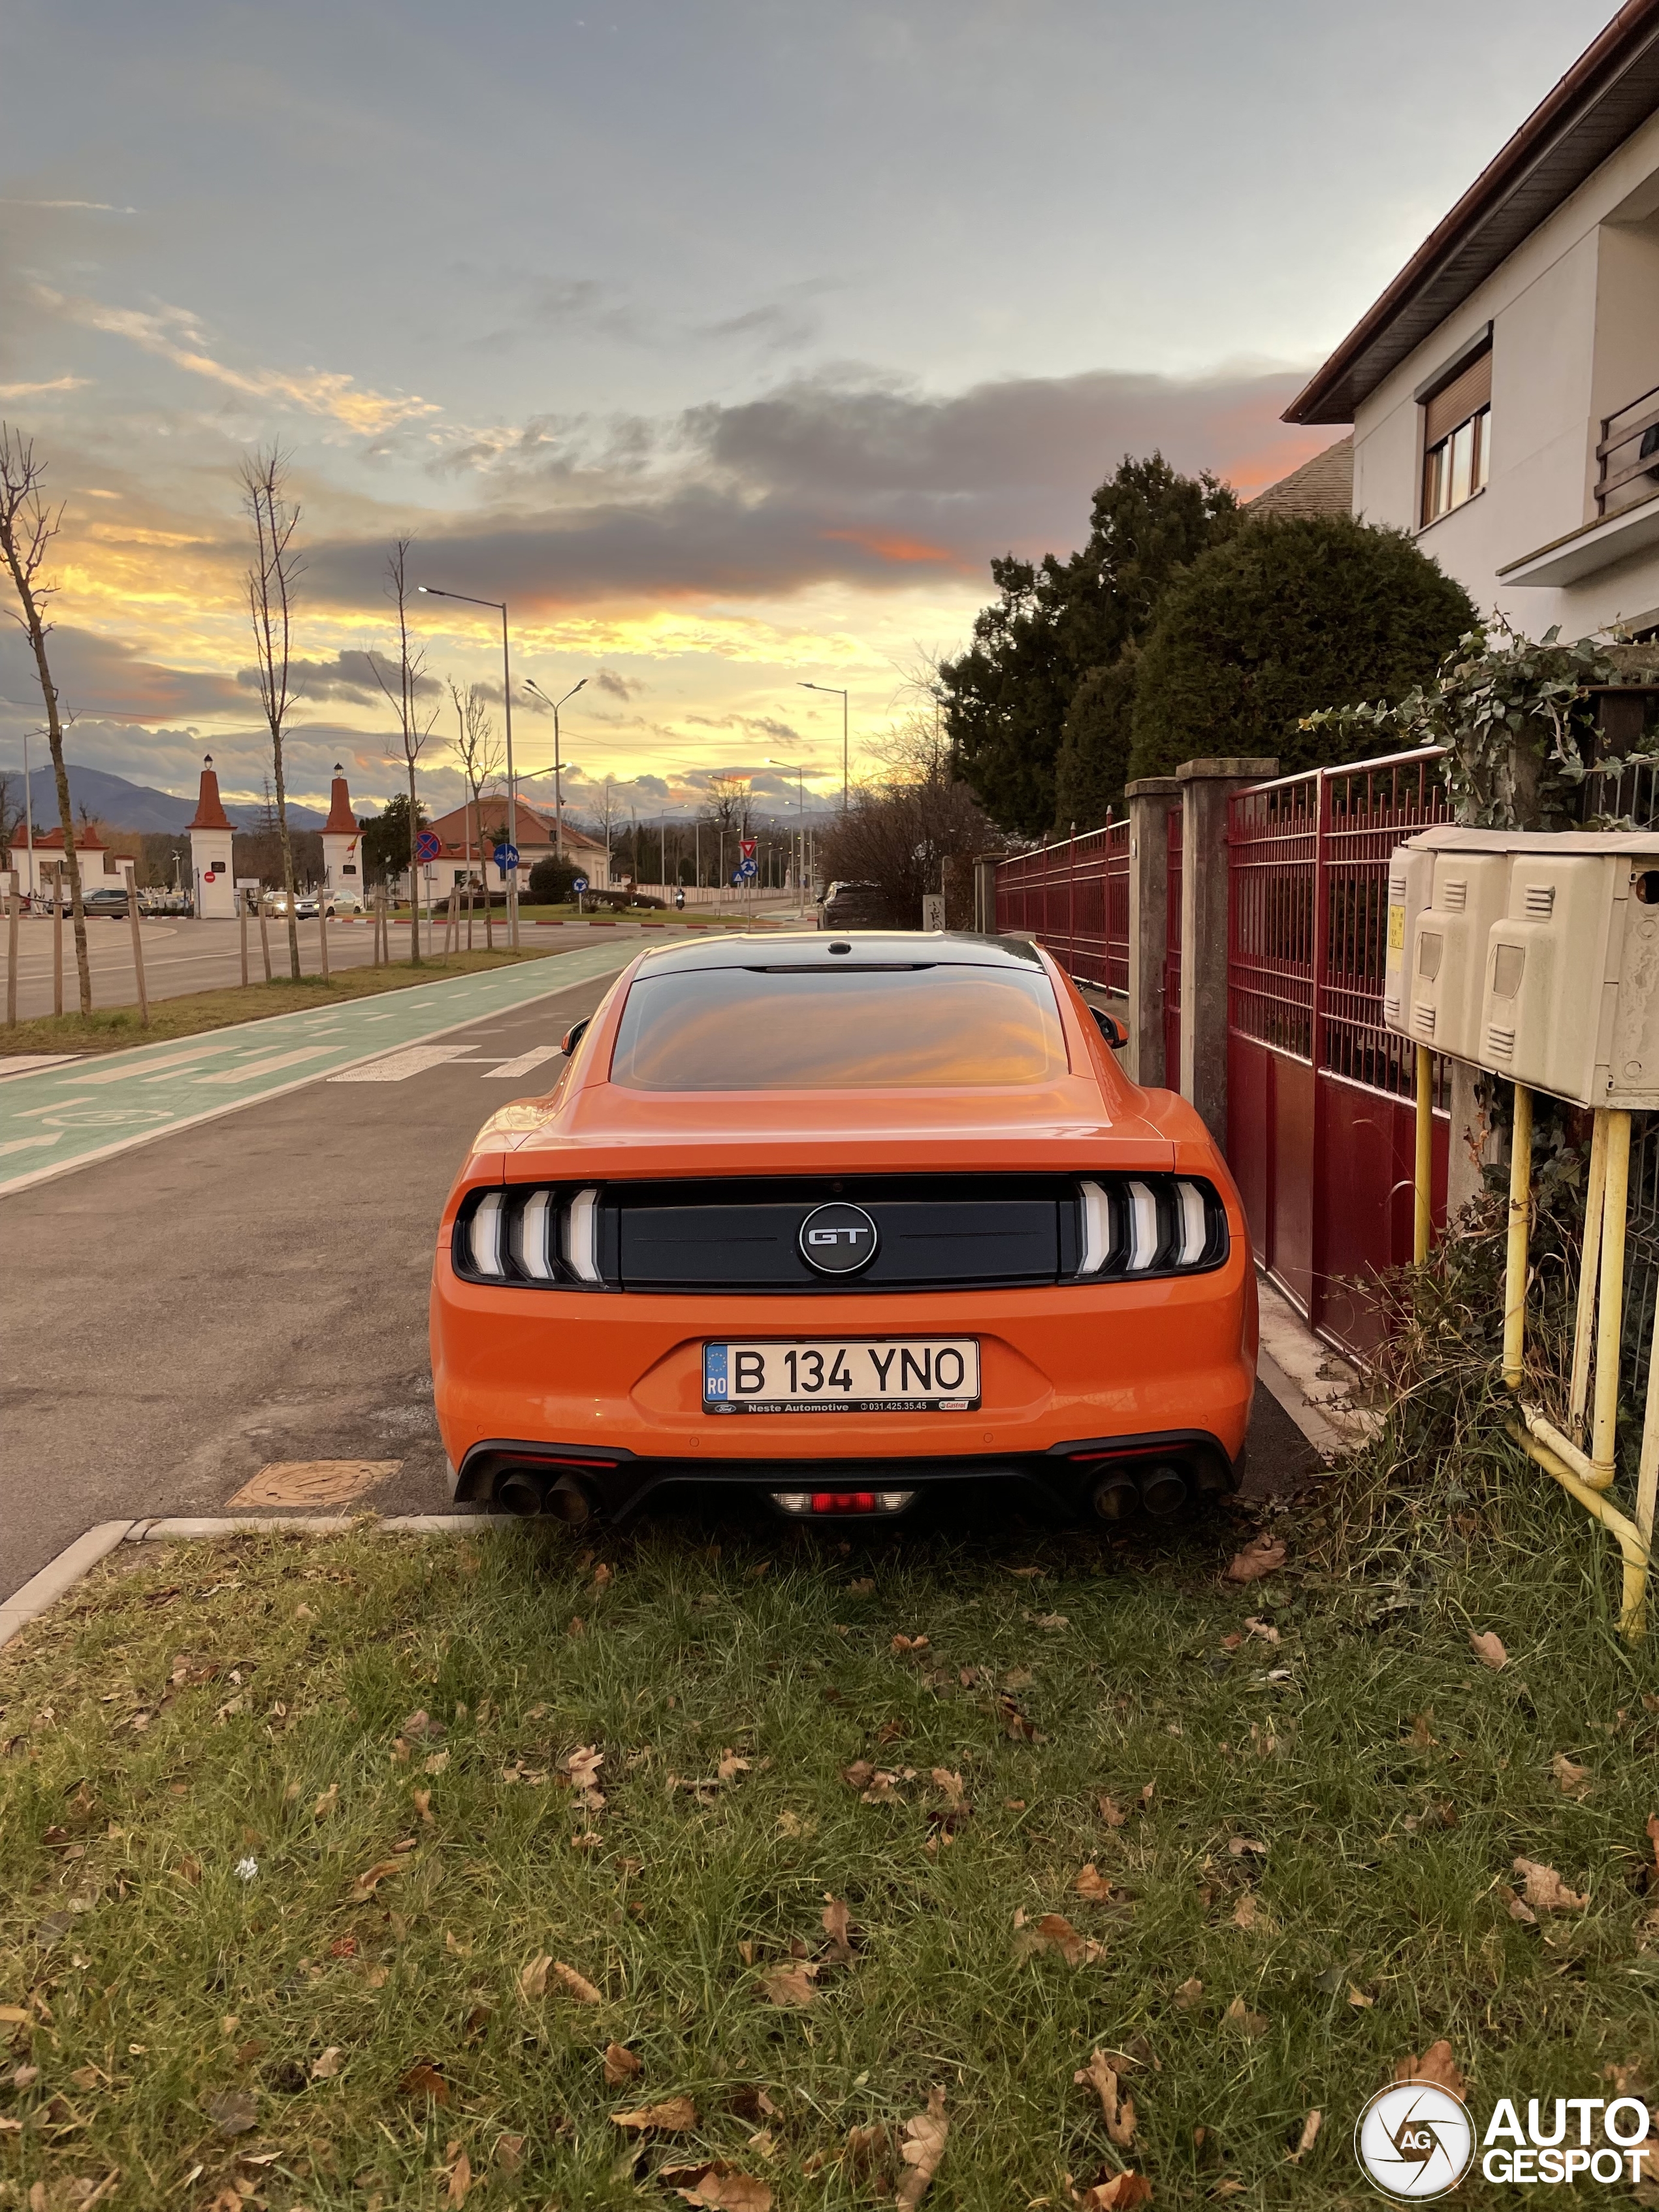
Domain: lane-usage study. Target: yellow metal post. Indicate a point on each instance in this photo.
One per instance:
(1610, 1311)
(1630, 1541)
(1422, 1181)
(1647, 1477)
(1514, 1268)
(1584, 1334)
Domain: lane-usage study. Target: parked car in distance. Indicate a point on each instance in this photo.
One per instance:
(853, 905)
(835, 1222)
(346, 902)
(111, 903)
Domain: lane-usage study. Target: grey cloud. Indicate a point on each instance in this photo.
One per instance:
(348, 677)
(101, 677)
(862, 480)
(776, 327)
(619, 687)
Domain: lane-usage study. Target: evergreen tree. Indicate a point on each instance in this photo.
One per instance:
(1006, 698)
(1094, 753)
(1291, 614)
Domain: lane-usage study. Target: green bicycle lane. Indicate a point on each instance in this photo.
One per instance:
(67, 1116)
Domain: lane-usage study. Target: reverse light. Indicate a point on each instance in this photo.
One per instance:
(582, 1236)
(814, 1502)
(484, 1235)
(529, 1235)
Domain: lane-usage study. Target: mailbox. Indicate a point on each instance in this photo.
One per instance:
(1536, 957)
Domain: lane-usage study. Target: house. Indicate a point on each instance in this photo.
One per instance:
(1323, 485)
(1503, 392)
(101, 868)
(469, 835)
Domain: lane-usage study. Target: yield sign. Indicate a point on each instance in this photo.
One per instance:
(746, 846)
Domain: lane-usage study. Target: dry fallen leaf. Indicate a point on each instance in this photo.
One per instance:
(368, 1881)
(1117, 2194)
(326, 2065)
(424, 2080)
(673, 2117)
(1572, 1780)
(1109, 1812)
(509, 2153)
(326, 1803)
(1262, 1557)
(1100, 2074)
(903, 1644)
(1053, 1932)
(1546, 1890)
(460, 2180)
(1437, 2064)
(621, 2064)
(1653, 1838)
(435, 1762)
(731, 1765)
(837, 1926)
(1239, 1845)
(232, 2111)
(1189, 1993)
(1239, 2015)
(578, 1984)
(1268, 1635)
(1248, 1913)
(943, 1778)
(789, 1985)
(1488, 1649)
(716, 2183)
(1308, 2138)
(417, 1724)
(532, 1978)
(1092, 1884)
(921, 2146)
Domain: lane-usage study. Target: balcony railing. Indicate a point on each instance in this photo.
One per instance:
(1628, 456)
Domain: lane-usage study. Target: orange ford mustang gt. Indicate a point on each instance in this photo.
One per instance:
(836, 1219)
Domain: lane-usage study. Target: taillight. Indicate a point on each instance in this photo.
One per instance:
(1150, 1226)
(533, 1234)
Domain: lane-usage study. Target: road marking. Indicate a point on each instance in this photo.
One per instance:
(526, 1064)
(159, 1067)
(399, 1066)
(269, 1065)
(31, 1063)
(28, 1144)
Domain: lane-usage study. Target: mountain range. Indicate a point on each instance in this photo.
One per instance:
(122, 806)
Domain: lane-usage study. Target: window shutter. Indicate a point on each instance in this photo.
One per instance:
(1468, 391)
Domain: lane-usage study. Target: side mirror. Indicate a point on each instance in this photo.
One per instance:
(572, 1035)
(1116, 1032)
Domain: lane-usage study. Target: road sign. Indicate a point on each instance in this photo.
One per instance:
(736, 875)
(747, 869)
(746, 846)
(428, 847)
(932, 910)
(579, 885)
(507, 857)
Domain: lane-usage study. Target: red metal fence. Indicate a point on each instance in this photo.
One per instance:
(1320, 1114)
(1074, 899)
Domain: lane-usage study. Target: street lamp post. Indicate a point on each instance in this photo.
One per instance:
(836, 691)
(558, 772)
(431, 592)
(793, 768)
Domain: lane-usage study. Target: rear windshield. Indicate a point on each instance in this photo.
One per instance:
(744, 1029)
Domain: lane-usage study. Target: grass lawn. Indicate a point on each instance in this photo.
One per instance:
(115, 1028)
(331, 1871)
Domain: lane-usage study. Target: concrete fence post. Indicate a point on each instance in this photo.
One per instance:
(985, 895)
(1206, 787)
(1152, 799)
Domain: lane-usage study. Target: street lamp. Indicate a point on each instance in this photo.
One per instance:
(836, 692)
(558, 797)
(799, 774)
(431, 592)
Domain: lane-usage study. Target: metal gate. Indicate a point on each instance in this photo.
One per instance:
(1319, 1114)
(1172, 953)
(1073, 898)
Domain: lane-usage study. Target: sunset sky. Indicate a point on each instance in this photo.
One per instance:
(728, 339)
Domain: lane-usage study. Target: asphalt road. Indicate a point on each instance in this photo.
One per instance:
(249, 1290)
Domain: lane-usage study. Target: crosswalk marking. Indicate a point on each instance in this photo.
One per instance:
(526, 1064)
(267, 1066)
(142, 1071)
(399, 1066)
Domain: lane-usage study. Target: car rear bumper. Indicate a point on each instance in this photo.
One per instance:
(578, 1483)
(601, 1391)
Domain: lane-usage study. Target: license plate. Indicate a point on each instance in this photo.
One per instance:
(884, 1375)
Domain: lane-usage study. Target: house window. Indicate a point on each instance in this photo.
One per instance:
(1457, 439)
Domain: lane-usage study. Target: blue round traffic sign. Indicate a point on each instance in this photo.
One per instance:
(507, 857)
(748, 868)
(579, 885)
(427, 846)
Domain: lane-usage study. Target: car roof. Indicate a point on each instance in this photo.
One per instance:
(870, 948)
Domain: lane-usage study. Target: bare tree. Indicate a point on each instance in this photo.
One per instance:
(271, 583)
(479, 752)
(914, 829)
(27, 527)
(726, 805)
(415, 722)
